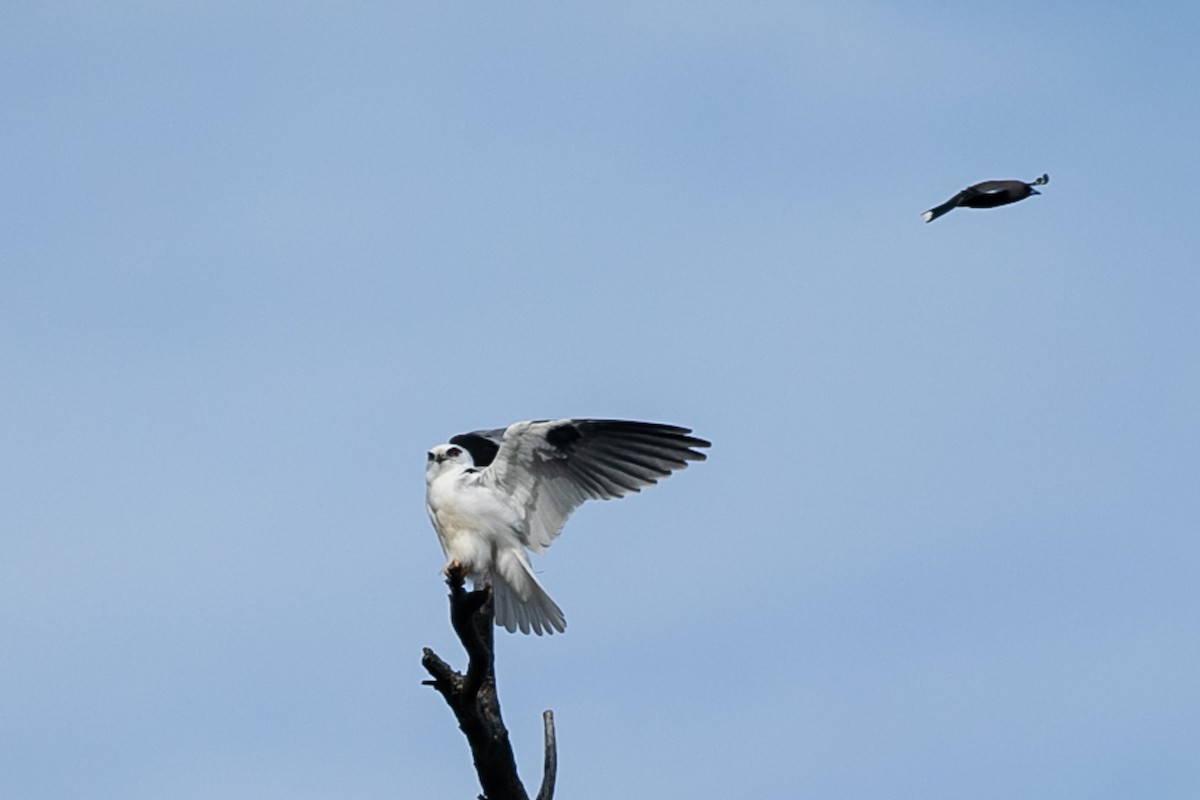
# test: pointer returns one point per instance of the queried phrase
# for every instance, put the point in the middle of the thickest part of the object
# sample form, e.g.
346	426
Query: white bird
493	494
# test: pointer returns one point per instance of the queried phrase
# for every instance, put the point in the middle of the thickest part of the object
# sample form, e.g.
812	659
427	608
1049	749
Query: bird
988	194
495	495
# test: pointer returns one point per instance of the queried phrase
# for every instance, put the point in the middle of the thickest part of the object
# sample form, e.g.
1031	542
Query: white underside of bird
480	533
530	477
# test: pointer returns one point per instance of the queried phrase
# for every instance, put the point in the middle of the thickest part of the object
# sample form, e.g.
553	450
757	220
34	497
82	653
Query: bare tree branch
550	767
472	697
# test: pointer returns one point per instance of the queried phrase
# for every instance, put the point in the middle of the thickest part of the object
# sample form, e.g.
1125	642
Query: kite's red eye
454	452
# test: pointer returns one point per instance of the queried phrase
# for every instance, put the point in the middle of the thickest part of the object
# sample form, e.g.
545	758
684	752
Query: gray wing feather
548	468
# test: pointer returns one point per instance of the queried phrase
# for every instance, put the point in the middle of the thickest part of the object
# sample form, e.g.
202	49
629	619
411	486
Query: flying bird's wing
989	187
550	467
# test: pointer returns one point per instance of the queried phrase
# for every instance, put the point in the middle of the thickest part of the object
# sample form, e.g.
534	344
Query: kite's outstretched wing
548	468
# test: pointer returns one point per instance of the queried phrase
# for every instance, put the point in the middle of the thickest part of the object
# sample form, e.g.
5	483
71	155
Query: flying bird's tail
937	211
521	602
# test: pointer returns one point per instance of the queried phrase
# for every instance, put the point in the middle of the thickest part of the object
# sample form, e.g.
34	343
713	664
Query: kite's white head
445	457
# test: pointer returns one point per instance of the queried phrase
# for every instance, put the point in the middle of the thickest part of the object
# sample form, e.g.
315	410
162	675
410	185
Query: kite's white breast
470	520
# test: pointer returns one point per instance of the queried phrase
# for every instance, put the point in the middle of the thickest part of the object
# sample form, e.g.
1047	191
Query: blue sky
259	257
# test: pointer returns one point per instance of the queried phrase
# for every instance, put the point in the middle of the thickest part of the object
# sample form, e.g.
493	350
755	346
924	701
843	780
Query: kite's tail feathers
521	602
937	211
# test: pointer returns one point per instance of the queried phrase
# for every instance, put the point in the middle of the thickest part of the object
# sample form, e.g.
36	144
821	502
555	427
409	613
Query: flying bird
493	495
988	194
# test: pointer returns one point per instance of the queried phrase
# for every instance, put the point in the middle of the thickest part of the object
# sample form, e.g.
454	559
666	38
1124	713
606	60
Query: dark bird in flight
988	194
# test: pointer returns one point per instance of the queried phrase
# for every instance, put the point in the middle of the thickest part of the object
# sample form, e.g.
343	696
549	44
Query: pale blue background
257	258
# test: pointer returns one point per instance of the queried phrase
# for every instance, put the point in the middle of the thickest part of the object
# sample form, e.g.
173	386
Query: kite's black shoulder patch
483	450
563	436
